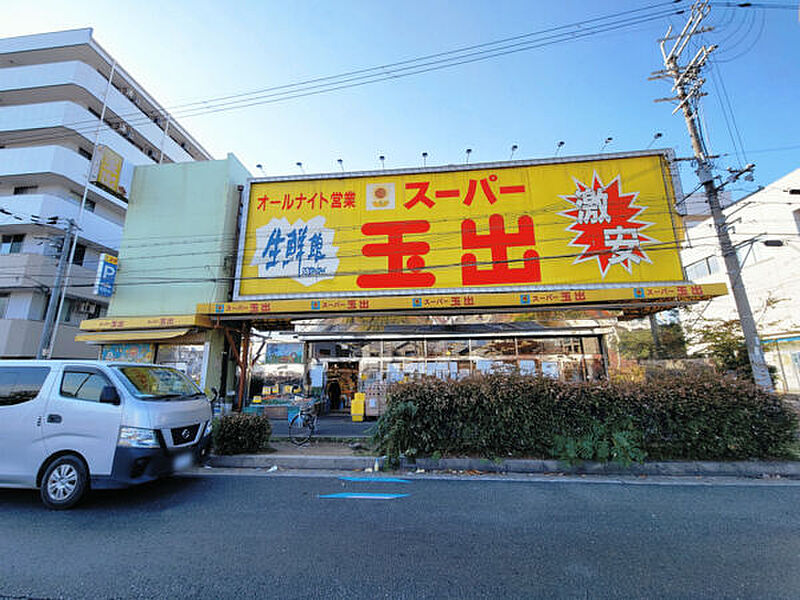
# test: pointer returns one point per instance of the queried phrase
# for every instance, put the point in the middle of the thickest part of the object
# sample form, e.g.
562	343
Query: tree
723	343
638	343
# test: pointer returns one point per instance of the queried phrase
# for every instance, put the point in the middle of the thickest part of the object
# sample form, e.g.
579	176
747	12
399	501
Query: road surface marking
363	496
371	479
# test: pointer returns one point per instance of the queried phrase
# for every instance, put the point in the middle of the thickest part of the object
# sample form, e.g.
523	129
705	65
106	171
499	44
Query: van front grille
184	435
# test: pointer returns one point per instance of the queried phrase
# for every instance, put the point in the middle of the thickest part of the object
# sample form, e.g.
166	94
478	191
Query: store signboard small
142	353
106	275
284	353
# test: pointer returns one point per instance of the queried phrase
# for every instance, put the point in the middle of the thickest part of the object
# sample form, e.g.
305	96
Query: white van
70	425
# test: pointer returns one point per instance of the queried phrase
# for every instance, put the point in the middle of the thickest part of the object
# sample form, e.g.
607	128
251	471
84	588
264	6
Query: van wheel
64	483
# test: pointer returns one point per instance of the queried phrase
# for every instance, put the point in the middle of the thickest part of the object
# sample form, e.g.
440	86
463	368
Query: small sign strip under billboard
581	221
668	295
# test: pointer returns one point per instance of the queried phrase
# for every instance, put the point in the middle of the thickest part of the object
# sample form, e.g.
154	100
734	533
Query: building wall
52	88
178	245
771	273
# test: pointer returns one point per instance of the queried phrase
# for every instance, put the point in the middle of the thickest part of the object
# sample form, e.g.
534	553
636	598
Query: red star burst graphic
605	222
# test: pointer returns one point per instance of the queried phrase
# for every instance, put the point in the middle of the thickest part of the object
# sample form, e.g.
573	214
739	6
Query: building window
749	253
797	219
22	190
89	205
4	305
80	254
11	244
85	153
697	270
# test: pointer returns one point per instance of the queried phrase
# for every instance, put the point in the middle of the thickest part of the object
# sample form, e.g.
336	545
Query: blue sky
579	91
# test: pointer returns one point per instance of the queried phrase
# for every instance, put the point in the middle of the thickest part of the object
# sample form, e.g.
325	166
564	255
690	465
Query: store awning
108	337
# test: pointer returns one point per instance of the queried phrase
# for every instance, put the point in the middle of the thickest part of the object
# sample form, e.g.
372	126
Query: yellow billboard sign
484	228
106	167
110	171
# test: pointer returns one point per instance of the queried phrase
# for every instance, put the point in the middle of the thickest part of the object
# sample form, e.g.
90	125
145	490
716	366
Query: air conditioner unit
85	306
123	129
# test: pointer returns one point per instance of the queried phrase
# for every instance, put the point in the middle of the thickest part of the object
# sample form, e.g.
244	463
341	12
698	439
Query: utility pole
687	84
55	293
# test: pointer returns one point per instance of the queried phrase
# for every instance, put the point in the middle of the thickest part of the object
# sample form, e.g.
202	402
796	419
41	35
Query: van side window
20	384
83	385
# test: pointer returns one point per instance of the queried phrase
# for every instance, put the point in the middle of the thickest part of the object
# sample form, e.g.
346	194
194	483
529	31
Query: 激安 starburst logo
605	221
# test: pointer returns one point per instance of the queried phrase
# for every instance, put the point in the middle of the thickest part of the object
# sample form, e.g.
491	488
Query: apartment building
765	231
54	87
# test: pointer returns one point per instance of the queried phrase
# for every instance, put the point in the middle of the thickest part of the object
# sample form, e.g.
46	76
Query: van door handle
53	418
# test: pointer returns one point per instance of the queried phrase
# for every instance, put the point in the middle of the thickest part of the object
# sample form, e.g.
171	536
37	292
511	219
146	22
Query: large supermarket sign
603	221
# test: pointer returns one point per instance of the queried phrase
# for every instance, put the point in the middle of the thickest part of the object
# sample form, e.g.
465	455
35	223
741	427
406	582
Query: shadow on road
168	492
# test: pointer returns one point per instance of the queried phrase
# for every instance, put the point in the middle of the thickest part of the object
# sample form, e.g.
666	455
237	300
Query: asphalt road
225	536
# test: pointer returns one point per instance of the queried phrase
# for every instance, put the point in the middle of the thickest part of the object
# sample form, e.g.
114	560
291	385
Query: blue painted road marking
363	496
370	479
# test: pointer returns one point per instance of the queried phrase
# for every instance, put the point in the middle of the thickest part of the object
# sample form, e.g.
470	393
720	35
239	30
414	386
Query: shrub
694	415
239	434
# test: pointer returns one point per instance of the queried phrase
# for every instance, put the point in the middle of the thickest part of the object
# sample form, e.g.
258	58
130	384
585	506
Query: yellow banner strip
160	322
469	302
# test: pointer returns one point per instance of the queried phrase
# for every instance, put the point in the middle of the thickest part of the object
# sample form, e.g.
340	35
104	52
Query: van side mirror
109	395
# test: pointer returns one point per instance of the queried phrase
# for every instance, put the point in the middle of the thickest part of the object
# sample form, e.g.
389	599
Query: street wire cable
399	69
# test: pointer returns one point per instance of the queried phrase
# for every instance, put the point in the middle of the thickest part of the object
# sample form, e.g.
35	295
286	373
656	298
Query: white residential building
52	90
765	230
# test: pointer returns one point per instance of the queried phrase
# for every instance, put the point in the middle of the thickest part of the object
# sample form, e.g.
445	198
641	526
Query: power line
423	64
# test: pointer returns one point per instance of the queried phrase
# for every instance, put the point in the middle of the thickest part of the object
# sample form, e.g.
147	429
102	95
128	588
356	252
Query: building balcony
76	81
38	272
50	164
59	122
95	230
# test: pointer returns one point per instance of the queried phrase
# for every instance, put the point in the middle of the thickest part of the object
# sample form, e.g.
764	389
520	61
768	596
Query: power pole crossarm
687	85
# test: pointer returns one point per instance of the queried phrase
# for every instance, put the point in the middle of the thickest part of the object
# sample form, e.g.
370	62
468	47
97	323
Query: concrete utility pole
687	85
55	292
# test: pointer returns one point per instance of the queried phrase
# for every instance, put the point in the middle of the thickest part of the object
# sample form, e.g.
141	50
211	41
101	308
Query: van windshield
158	382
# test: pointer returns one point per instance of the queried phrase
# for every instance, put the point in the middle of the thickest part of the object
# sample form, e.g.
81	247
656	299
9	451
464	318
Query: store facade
342	363
229	255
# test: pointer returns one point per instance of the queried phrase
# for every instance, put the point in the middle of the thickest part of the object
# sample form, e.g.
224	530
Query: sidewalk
328	427
323	455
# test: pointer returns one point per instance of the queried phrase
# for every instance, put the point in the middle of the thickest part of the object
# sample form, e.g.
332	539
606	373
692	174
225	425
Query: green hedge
694	416
241	433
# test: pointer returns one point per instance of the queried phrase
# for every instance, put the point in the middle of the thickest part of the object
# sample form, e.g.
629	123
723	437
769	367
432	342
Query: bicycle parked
303	424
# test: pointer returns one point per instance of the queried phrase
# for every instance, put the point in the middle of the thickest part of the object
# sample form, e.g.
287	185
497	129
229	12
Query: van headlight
209	426
135	437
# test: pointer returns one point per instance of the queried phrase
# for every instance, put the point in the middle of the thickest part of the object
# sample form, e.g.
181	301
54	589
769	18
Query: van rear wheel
64	483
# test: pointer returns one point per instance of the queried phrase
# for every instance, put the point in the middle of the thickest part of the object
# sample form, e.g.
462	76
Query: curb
751	469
